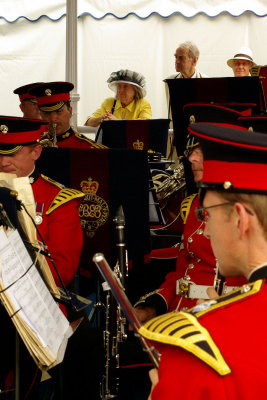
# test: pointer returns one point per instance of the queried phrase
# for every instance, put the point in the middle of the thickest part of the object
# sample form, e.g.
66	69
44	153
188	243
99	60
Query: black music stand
150	134
210	90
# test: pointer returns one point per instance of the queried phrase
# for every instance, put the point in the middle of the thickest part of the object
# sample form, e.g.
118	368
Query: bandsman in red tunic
196	267
218	349
57	215
53	100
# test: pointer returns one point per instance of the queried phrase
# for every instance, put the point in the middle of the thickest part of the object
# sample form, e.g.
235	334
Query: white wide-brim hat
127	76
243	54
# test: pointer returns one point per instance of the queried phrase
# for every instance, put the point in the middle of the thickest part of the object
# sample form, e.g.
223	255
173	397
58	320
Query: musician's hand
211	292
144	314
110	116
154	377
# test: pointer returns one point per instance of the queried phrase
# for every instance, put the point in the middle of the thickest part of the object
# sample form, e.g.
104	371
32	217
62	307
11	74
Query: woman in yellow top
129	102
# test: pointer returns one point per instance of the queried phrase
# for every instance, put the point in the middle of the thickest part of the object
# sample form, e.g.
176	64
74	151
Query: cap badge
4	129
227	185
48	92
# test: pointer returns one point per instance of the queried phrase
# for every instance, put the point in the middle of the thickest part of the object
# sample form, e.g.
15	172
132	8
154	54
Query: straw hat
243	54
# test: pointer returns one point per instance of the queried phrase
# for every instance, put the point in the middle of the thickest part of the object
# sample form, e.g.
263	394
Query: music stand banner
151	134
109	178
210	90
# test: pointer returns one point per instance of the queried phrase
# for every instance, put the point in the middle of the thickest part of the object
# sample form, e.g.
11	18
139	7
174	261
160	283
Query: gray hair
138	94
191	47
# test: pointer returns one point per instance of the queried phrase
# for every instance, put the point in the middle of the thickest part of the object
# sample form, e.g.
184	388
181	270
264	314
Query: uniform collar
259	272
34	176
65	135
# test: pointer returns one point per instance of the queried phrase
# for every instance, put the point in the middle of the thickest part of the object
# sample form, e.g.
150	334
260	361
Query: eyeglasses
203	215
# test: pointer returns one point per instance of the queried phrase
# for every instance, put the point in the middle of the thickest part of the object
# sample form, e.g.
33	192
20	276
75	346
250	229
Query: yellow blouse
137	109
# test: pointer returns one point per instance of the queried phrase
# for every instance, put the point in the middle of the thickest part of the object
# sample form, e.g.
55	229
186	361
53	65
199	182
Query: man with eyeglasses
196	269
222	342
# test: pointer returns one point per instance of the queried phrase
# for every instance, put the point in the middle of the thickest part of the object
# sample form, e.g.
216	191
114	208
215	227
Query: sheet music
29	294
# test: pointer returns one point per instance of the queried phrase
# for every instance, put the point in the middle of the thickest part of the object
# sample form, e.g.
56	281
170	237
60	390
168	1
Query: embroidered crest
93	210
138	145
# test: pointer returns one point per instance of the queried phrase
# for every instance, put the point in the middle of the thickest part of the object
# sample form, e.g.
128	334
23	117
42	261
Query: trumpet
49	139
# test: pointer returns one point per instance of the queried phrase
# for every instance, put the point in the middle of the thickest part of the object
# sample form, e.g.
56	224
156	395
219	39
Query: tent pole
71	56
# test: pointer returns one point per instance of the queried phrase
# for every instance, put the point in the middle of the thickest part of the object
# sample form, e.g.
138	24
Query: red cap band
241	175
21	137
54	98
26	96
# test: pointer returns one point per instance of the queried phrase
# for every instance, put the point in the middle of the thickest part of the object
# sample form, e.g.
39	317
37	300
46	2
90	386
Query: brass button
189	240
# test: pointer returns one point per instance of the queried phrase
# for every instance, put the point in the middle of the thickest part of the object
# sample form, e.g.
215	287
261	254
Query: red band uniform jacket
216	351
60	227
195	264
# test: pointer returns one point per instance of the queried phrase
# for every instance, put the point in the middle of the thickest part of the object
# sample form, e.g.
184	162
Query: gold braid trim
186	205
183	330
244	291
143	298
92	143
46	178
64	196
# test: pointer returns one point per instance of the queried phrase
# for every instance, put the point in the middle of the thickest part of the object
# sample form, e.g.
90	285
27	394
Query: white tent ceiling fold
55	9
35	51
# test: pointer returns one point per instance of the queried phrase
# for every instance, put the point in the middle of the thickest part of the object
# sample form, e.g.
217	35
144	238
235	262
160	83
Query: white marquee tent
141	35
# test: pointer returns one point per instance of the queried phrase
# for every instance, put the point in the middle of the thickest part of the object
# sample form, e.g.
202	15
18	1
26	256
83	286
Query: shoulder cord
113	107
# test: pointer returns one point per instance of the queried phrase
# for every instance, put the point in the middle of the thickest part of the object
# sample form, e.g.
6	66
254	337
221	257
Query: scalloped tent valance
12	10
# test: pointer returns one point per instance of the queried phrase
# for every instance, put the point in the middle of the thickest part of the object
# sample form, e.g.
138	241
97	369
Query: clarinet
115	323
119	293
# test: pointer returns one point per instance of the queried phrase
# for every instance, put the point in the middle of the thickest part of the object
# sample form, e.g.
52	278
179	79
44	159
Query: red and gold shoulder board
183	330
186	205
64	196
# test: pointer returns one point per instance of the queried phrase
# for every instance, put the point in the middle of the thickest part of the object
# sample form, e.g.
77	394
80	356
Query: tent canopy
138	35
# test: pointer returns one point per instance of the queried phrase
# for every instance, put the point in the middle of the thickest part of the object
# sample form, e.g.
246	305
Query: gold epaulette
238	294
186	205
64	196
183	330
92	143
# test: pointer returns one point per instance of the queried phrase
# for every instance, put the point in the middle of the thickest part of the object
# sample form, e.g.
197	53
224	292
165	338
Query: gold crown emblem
48	92
4	129
89	186
138	145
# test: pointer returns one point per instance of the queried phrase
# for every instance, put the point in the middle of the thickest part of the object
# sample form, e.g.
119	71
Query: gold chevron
186	205
64	196
183	330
